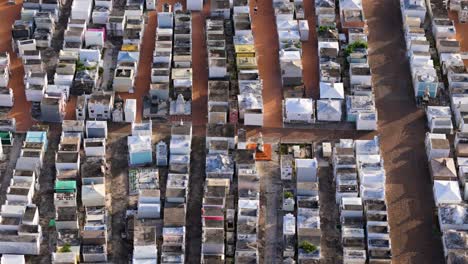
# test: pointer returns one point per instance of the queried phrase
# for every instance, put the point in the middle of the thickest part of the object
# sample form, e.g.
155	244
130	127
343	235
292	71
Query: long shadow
402	130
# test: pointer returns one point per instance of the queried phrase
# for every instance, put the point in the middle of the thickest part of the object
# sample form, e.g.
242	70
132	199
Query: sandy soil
143	78
310	135
44	198
462	33
11	154
271	215
331	247
266	45
194	203
199	65
142	83
21	108
310	54
70	113
200	68
117	198
401	124
402	129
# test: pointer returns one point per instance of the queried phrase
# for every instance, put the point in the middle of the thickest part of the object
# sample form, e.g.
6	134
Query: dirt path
8	165
200	68
266	46
331	248
462	33
143	78
271	214
44	197
117	184
310	54
199	120
402	129
194	203
21	108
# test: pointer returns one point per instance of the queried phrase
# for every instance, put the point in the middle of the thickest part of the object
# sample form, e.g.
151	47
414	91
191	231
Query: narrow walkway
117	198
21	108
44	197
199	120
266	47
143	78
271	214
7	165
200	69
402	130
331	247
193	240
310	71
462	33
